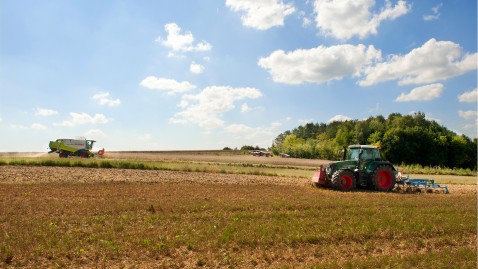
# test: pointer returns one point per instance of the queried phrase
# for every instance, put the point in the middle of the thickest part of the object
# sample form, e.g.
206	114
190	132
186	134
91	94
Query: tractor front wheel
383	178
344	180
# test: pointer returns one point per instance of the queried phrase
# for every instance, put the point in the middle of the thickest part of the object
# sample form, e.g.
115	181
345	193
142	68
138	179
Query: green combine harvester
74	147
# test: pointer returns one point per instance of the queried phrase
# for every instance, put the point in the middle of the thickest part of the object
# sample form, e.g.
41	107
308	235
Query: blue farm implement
407	184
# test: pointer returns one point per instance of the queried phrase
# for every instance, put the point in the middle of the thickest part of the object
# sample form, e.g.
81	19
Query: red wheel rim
384	179
346	182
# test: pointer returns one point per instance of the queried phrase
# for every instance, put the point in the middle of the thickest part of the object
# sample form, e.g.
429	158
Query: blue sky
166	75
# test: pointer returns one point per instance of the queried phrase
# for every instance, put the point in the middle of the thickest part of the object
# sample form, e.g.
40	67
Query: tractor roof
363	146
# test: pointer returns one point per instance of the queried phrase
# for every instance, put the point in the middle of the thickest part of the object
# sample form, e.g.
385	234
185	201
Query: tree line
407	139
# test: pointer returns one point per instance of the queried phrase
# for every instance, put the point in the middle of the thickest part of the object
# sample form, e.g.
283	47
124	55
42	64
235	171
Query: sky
192	75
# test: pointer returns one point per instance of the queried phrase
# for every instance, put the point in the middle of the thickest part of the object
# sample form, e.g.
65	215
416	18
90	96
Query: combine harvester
362	166
74	147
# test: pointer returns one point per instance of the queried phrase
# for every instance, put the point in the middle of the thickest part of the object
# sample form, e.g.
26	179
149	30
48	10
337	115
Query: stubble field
215	211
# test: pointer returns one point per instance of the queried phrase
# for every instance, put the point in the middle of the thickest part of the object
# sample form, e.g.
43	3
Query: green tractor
361	166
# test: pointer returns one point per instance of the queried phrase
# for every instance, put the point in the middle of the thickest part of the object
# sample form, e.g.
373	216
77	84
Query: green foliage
247	147
409	139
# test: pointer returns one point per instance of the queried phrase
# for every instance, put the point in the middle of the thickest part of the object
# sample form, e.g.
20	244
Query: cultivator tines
406	184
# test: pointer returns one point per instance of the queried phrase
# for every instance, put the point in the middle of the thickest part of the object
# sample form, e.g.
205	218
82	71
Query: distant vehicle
260	153
74	147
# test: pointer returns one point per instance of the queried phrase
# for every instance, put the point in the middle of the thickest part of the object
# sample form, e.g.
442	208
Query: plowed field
35	174
121	218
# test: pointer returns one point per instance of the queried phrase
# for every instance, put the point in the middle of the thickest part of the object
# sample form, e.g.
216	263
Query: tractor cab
362	153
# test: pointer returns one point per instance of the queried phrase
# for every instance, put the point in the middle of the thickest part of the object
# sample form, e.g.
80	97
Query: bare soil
39	174
78	217
238	158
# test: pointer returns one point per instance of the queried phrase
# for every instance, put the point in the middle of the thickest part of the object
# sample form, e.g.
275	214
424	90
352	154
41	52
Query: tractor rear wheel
383	178
344	180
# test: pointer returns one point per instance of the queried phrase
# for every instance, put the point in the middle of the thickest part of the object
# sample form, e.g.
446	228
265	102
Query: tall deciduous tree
410	139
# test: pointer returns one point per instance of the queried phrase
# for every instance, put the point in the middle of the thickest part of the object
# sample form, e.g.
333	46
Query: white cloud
181	42
65	123
435	13
434	61
196	68
205	109
34	126
469	97
261	15
38	126
183	104
423	93
339	118
276	124
305	20
94	133
469	126
319	65
168	85
44	112
246	108
304	121
18	126
429	116
344	19
238	129
253	135
102	99
468	115
83	118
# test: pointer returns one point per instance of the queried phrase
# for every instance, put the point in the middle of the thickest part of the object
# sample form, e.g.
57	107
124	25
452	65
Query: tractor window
367	154
353	153
376	155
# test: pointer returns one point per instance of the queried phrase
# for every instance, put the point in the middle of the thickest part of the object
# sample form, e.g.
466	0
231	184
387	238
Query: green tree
410	139
343	137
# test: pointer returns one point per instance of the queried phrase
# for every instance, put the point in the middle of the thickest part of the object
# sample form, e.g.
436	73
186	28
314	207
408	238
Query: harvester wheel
344	180
383	178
